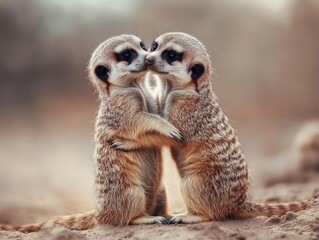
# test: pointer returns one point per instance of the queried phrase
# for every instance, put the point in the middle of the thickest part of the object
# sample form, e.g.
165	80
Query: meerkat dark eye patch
172	56
143	46
102	72
154	46
197	71
127	56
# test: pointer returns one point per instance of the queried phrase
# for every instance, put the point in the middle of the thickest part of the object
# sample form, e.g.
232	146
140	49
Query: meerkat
305	148
213	170
127	183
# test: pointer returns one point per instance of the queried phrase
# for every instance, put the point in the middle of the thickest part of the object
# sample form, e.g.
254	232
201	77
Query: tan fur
127	183
213	169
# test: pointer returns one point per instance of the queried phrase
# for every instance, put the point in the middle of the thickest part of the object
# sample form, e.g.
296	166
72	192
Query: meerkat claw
123	145
164	220
150	220
175	220
177	136
161	220
117	146
113	144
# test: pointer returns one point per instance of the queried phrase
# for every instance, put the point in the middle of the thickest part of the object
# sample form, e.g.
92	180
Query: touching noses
149	60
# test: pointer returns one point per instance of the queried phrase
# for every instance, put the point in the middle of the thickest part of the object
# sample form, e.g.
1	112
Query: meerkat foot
124	144
188	218
150	220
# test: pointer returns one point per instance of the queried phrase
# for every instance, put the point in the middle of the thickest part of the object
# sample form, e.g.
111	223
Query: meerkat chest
118	110
185	110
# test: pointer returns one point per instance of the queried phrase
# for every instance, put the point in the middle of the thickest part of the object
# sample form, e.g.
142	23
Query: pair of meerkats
132	125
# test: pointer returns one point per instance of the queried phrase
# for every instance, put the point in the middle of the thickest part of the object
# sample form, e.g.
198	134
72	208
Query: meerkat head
179	58
119	61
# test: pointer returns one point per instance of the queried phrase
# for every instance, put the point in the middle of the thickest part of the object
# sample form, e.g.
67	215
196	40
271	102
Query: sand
61	193
301	225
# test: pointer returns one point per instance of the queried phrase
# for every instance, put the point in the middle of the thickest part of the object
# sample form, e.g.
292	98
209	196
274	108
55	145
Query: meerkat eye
154	46
197	71
102	72
143	46
127	55
171	56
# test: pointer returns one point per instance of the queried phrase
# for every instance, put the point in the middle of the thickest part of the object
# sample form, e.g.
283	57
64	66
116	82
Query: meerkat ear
197	71
102	72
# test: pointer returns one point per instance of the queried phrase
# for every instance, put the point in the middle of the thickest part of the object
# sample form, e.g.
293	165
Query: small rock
283	235
273	220
289	216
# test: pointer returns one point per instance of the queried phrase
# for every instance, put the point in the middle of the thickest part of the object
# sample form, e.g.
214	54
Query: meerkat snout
149	61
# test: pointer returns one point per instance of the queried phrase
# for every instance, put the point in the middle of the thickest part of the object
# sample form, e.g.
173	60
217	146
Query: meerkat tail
82	221
251	210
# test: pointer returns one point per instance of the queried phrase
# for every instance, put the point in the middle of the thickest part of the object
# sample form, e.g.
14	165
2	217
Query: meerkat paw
174	133
150	220
177	135
188	218
123	144
158	124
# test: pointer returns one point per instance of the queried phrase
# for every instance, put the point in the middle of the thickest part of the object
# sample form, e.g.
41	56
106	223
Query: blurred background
265	55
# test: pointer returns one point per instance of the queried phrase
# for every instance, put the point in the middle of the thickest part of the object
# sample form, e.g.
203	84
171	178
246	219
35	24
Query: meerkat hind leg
188	218
161	204
150	220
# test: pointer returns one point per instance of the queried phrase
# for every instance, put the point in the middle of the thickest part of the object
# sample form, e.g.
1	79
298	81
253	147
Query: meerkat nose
149	61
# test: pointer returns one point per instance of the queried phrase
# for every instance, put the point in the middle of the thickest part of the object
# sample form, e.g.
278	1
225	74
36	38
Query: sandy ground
38	185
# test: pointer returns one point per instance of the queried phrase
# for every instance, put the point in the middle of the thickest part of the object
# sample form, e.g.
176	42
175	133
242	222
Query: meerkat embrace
128	138
127	183
211	165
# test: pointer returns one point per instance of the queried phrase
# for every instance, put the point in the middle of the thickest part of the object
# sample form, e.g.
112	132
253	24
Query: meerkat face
119	61
179	58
